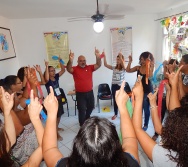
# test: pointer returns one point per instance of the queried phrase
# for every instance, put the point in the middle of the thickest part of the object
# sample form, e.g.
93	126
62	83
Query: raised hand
37	67
130	58
34	108
71	56
152	98
46	63
173	77
121	96
97	53
138	88
51	104
7	101
31	77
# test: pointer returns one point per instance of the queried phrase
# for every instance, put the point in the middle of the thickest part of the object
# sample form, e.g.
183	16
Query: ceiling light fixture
98	26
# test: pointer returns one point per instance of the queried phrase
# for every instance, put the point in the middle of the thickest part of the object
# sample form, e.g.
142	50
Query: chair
104	93
64	99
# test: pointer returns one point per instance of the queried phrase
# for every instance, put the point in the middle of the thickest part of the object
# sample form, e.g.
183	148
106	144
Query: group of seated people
25	142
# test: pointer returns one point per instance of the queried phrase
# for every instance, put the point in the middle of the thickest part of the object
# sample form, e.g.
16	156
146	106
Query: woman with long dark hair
147	86
97	143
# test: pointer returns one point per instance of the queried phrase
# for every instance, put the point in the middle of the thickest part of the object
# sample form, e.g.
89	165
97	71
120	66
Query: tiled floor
71	127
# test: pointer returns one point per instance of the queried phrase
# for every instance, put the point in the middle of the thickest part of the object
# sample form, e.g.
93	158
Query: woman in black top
97	143
147	87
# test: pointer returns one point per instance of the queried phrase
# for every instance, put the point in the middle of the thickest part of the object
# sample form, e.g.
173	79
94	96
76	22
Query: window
175	41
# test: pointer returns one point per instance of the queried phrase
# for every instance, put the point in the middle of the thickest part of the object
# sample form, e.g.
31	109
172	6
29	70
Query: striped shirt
118	76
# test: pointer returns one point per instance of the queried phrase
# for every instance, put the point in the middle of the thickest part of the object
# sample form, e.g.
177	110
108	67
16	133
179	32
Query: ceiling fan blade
79	18
114	17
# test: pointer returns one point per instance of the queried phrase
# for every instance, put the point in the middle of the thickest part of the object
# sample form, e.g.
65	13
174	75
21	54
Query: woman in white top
117	77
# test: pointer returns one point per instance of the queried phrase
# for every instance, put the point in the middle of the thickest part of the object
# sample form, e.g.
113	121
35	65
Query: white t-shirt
161	158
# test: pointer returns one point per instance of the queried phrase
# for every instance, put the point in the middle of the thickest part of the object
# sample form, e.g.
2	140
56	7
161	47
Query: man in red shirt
82	74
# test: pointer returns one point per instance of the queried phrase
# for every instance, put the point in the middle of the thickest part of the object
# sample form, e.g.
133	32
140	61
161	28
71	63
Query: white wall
8	66
28	36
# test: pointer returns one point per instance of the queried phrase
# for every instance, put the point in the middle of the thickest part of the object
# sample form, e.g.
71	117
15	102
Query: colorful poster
57	45
121	41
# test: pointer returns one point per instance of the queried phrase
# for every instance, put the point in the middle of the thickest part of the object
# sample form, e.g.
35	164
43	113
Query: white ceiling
24	9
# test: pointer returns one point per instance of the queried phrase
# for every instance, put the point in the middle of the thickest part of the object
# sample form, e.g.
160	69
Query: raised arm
7	104
46	73
70	62
62	71
98	59
144	139
105	62
154	112
181	87
38	69
34	110
122	60
173	80
129	69
49	145
128	134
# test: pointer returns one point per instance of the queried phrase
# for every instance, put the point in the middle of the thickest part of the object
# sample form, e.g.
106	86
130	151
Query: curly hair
5	158
96	145
146	55
175	135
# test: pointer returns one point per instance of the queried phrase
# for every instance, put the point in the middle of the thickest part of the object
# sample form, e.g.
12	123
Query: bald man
82	74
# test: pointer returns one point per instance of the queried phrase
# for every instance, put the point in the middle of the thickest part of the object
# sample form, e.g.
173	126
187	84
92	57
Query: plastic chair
64	99
104	93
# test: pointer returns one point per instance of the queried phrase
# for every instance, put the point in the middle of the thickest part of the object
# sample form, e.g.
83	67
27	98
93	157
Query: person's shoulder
160	156
57	75
91	66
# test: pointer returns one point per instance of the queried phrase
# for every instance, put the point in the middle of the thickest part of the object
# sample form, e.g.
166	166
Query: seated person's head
175	134
12	83
21	73
97	143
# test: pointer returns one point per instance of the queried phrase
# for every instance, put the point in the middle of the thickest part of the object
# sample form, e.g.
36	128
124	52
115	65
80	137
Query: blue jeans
146	109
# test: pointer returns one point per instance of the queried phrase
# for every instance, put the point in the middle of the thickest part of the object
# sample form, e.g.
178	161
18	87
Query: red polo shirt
83	78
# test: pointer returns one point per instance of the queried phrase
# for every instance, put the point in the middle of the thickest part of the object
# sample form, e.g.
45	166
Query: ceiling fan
98	18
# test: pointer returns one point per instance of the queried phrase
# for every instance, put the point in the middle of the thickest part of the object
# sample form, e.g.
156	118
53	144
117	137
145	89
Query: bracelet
152	107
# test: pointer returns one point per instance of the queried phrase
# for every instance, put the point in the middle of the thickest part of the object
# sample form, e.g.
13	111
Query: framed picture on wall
7	50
